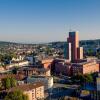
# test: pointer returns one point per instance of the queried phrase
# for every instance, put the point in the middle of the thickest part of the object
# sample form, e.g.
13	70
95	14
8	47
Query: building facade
85	67
76	52
63	68
29	71
80	53
68	51
33	91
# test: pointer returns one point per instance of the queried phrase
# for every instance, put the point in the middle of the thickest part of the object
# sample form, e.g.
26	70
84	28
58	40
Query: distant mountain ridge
7	43
55	42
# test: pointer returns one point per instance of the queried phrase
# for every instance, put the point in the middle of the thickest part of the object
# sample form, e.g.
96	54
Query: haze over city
33	21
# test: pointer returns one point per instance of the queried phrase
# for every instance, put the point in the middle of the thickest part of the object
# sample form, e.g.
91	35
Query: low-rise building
32	59
18	58
29	71
85	67
33	91
63	68
17	64
47	81
47	63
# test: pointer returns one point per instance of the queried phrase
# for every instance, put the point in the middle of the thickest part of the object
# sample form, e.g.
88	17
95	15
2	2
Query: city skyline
35	21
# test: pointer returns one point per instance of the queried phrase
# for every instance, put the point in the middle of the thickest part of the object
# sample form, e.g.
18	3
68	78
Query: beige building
85	67
33	91
80	53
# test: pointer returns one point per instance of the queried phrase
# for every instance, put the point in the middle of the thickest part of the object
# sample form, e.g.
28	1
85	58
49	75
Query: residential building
33	91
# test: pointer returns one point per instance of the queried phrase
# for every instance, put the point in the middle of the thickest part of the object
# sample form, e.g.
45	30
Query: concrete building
47	81
33	91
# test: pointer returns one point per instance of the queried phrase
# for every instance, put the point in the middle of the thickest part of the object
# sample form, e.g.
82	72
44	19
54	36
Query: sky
35	21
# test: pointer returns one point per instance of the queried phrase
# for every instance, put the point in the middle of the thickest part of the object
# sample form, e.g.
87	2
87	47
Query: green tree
16	95
98	54
7	57
83	79
90	52
13	55
1	57
9	82
88	78
13	82
14	71
79	78
6	83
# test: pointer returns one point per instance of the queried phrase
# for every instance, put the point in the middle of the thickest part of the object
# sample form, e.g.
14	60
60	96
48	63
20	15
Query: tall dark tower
75	50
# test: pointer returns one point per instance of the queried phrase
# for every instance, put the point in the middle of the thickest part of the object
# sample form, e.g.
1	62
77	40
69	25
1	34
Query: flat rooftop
27	87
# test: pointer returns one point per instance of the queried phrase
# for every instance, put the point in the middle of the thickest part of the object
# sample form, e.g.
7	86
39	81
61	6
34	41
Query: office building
74	52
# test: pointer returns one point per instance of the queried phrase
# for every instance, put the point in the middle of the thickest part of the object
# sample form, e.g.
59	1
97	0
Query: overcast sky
48	20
